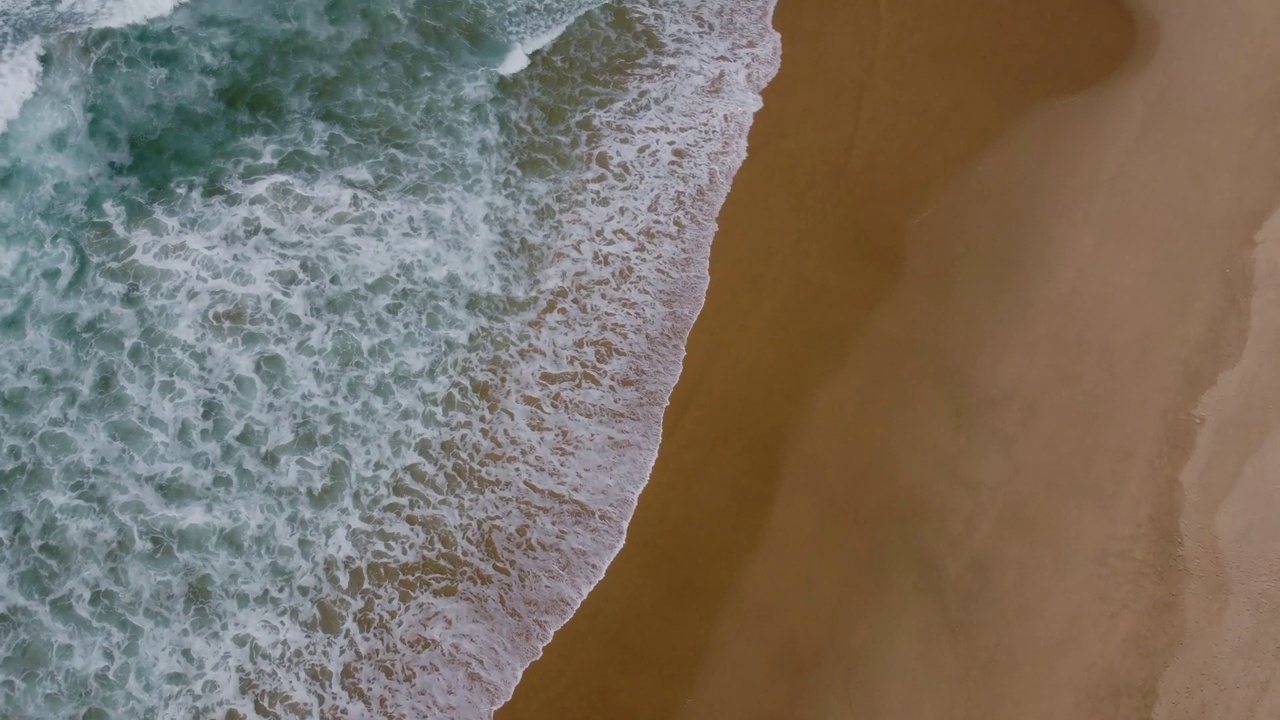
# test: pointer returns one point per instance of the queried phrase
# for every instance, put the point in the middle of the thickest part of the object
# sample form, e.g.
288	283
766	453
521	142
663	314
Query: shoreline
977	421
1071	526
817	217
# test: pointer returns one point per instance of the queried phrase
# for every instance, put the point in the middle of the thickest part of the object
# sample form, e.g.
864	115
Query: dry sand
926	459
1230	656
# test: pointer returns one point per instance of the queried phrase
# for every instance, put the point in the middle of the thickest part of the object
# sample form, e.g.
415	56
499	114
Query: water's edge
307	402
735	154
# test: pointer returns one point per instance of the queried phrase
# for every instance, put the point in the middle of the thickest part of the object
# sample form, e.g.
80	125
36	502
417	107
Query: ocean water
335	335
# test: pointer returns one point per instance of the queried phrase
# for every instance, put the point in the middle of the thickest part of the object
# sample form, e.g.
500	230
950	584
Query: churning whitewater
335	335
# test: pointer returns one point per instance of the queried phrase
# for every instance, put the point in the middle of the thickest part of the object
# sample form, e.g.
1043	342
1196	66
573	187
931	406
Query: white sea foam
664	164
516	60
20	67
119	14
518	56
369	432
73	15
19	77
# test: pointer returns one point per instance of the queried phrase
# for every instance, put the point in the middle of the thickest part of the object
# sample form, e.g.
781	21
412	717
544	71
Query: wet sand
926	458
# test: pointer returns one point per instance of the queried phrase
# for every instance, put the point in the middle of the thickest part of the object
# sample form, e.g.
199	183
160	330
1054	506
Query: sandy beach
979	420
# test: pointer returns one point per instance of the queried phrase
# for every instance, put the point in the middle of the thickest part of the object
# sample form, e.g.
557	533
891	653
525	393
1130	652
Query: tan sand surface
926	458
1229	661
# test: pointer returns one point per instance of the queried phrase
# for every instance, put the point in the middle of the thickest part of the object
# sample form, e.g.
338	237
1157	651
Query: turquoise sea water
334	340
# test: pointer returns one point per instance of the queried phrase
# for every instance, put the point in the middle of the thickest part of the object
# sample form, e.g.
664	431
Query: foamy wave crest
48	17
19	76
332	362
25	24
517	57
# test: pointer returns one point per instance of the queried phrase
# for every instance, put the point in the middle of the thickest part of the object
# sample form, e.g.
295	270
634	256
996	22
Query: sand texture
940	448
1226	664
